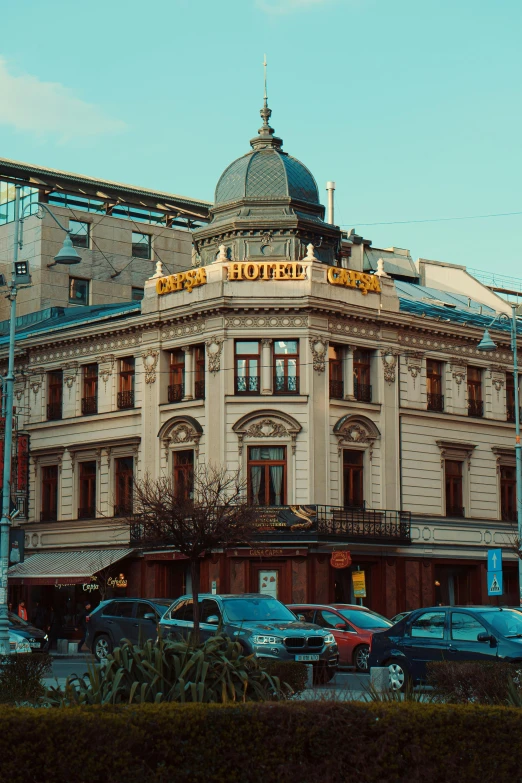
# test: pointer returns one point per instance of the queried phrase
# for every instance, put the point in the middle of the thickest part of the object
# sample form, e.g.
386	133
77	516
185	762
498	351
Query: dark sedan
36	639
451	633
134	619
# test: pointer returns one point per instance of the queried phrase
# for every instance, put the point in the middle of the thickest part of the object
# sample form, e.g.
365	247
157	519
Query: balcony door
353	478
267	475
454	494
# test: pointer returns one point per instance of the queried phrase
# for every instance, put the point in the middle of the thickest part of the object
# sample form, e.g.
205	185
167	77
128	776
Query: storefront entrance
270	578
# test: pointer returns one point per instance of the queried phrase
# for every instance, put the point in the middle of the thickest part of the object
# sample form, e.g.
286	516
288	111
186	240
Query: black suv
450	633
134	619
262	624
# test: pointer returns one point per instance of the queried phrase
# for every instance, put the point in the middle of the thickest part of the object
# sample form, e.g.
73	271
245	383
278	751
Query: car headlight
329	638
265	640
46	638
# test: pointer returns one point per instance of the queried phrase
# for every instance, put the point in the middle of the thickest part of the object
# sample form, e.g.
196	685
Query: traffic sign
495	586
494	560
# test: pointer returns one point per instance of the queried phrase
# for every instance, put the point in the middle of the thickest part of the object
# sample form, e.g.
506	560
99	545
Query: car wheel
398	675
102	647
360	657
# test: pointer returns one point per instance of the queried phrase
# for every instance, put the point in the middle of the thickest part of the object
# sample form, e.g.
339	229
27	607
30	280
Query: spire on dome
266	136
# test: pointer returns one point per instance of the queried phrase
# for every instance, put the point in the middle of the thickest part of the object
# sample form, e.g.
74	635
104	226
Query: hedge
310	742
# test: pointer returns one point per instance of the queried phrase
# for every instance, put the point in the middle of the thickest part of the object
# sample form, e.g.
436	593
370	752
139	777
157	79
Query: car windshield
15	620
507	622
240	610
365	619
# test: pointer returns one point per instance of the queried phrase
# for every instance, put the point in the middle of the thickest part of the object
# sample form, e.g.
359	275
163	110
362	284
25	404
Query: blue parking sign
495	586
494	560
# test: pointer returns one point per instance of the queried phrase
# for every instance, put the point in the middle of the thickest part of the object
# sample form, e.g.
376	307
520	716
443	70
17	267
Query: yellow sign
349	278
266	270
359	584
182	281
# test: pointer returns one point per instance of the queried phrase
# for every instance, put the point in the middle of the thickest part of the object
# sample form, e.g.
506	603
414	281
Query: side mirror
149	616
484	637
213	619
341	626
301	618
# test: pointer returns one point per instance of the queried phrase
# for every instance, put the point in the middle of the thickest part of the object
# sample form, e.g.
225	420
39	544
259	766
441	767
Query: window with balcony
126	382
508	493
90	389
49	510
453	477
183	473
79	231
141	245
54	395
267	475
87	490
475	403
78	291
335	364
286	366
176	390
199	370
434	393
510	397
353	478
124	483
247	366
361	375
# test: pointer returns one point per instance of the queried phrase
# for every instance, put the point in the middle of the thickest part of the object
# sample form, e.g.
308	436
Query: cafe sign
183	281
349	278
340	559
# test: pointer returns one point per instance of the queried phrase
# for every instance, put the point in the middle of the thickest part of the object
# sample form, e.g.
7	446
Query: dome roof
266	174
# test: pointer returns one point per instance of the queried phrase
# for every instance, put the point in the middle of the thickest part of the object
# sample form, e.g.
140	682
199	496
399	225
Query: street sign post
494	575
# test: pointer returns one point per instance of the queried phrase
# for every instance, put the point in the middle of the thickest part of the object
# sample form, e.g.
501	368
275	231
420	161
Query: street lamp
487	344
20	278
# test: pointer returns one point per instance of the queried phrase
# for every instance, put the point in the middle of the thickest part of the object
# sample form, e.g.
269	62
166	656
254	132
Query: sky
412	108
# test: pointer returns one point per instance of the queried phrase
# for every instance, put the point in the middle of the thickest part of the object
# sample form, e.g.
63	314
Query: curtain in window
276	479
255	482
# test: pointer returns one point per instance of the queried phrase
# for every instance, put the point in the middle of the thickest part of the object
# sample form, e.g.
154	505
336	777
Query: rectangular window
183	464
124	475
361	375
79	231
49	512
429	625
90	389
126	383
353	478
141	245
508	493
247	366
475	403
286	366
434	393
454	505
54	394
267	475
510	397
335	364
177	376
87	487
199	366
137	294
78	291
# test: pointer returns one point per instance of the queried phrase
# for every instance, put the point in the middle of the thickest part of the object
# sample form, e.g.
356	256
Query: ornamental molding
449	346
504	457
356	430
389	362
214	346
150	362
459	373
319	349
79	347
106	366
455	450
265	321
185	329
340	326
414	364
267	424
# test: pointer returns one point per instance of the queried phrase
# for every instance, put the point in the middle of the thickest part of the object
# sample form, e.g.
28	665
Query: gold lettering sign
266	270
182	281
349	278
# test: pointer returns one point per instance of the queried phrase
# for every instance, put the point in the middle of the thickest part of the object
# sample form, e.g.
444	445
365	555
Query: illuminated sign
266	270
120	581
183	281
349	278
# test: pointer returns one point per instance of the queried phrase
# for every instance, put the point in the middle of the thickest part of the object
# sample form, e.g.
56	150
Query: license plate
36	645
307	657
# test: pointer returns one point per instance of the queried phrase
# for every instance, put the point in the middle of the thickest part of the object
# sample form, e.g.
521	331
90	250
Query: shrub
291	673
21	676
474	682
215	671
262	743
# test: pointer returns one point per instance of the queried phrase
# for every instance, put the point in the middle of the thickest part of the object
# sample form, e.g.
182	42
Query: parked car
352	627
36	638
18	643
134	619
451	633
262	625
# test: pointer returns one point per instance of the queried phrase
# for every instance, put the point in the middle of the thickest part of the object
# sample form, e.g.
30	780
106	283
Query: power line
433	220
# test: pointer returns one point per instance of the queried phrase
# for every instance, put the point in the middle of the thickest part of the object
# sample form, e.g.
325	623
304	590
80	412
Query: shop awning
65	567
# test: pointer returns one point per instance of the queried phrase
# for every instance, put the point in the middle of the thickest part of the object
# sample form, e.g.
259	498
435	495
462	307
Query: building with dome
343	380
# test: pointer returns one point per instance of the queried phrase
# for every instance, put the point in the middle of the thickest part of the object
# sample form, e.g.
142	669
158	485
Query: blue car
450	633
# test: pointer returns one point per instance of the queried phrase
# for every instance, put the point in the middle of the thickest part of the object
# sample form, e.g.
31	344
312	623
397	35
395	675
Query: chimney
330	187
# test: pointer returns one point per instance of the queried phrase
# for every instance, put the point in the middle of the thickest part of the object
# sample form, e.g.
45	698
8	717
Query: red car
352	627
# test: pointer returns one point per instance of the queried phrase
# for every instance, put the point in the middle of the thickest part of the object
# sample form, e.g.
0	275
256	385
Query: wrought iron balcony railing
286	384
48	516
87	512
362	391
435	402
455	511
176	392
54	411
199	390
89	405
509	514
123	509
247	384
126	399
476	408
337	390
